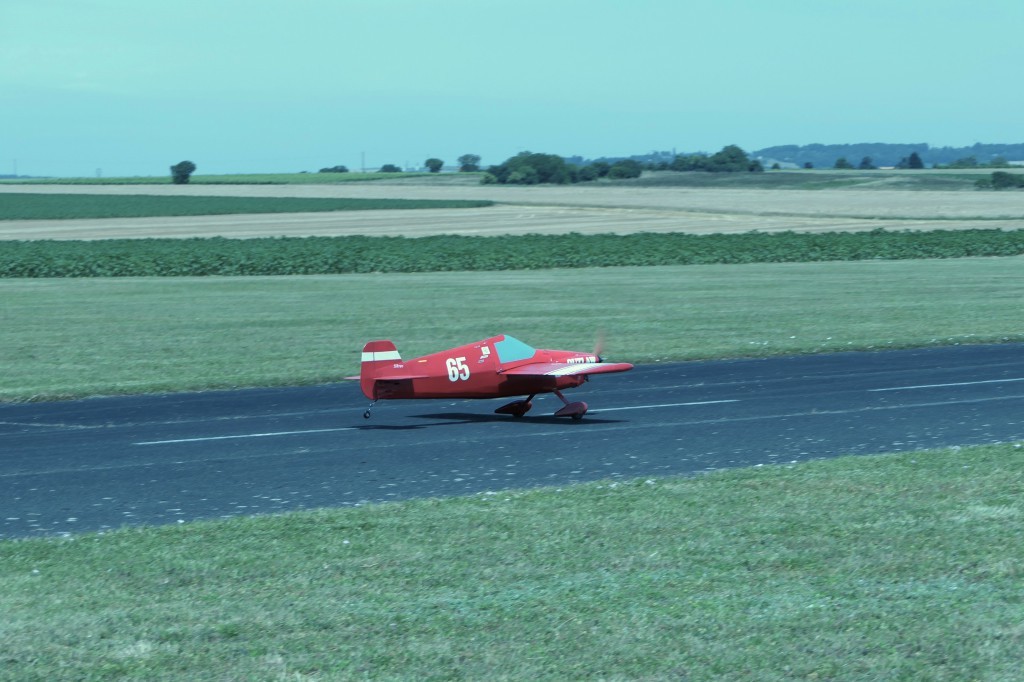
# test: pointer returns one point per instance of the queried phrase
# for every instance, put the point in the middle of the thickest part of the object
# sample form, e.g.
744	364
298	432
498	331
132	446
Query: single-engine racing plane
493	368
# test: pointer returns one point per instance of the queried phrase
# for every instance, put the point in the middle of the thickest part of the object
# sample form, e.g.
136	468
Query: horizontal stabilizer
399	377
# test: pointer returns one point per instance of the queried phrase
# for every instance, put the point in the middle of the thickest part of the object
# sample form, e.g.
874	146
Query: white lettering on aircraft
458	370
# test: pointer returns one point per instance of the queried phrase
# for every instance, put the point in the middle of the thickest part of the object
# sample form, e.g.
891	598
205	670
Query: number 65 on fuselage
496	367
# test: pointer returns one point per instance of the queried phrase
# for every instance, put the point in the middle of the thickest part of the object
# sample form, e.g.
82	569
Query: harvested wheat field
547	209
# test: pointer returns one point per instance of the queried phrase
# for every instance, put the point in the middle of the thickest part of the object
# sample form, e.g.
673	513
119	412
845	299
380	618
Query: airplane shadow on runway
455	418
469	417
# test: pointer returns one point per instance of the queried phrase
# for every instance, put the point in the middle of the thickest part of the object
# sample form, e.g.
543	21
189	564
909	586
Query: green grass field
897	567
227	179
72	206
902	566
67	338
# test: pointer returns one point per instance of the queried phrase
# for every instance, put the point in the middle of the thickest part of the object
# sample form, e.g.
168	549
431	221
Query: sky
131	87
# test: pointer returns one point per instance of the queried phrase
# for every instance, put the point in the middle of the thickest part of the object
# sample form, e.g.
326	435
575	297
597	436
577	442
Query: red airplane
493	368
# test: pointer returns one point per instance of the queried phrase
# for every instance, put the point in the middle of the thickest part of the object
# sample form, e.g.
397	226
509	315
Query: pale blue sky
133	86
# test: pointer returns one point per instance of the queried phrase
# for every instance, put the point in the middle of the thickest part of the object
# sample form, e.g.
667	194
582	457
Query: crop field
355	254
548	210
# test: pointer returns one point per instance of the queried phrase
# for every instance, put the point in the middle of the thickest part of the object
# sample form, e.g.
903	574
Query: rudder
377	357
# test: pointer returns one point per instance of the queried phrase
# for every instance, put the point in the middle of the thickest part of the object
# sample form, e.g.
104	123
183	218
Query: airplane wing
562	369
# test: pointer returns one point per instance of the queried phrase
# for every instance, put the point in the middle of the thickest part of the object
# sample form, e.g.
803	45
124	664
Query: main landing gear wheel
516	408
575	410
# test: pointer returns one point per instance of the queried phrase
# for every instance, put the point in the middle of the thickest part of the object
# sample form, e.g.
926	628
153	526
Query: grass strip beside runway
900	566
71	338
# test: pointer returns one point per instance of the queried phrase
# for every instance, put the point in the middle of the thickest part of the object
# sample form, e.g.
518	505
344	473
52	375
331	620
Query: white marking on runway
243	435
352	428
652	407
965	383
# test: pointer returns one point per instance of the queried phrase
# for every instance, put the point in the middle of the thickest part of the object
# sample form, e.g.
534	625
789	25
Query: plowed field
562	209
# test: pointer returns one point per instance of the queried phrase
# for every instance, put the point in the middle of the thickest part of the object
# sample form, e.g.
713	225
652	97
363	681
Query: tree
182	172
731	159
912	161
625	168
867	164
523	175
1004	180
843	164
334	169
694	162
389	168
469	163
528	168
434	165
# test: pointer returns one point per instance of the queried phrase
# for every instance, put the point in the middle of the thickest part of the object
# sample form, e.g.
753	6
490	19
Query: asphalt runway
88	465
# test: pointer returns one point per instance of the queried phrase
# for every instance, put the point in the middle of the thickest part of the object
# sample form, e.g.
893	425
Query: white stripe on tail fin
378	357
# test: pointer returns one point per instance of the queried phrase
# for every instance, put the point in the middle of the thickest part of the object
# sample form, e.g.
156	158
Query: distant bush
731	159
469	163
528	168
335	255
626	168
334	169
182	172
1004	180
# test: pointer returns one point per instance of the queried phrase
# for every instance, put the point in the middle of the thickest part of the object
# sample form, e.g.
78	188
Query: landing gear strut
366	415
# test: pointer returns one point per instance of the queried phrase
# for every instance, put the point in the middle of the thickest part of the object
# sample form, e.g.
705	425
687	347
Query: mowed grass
227	179
69	338
71	206
895	567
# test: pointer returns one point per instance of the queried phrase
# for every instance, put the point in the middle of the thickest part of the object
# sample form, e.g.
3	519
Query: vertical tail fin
377	357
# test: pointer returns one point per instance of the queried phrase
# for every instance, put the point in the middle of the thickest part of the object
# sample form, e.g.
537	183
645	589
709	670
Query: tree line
468	163
892	155
529	168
